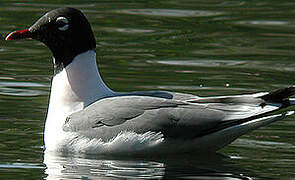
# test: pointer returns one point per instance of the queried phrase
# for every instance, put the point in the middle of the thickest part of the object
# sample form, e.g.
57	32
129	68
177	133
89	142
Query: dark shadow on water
209	166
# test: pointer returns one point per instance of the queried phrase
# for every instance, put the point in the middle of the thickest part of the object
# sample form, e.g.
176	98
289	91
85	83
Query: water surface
200	47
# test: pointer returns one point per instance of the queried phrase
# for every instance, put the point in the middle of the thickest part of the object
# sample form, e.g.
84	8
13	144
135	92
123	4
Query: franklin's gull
87	117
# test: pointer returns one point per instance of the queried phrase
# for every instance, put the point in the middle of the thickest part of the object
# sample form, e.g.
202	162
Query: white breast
72	89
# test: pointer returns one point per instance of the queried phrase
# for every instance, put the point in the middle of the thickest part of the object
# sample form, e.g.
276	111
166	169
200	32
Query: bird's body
85	116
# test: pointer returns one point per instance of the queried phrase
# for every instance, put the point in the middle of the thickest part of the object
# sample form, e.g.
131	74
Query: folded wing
173	118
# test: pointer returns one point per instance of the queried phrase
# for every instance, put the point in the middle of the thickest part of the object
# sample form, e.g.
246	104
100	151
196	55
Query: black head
66	32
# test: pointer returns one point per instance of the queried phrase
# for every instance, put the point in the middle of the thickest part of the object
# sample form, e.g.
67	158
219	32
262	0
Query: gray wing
174	118
161	94
107	117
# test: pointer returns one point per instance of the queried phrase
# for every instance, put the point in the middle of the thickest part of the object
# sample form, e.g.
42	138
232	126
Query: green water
202	47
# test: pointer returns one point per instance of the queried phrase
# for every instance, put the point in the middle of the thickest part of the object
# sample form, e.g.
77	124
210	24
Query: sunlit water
201	47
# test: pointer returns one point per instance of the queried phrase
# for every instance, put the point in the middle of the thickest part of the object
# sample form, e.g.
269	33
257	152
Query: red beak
21	34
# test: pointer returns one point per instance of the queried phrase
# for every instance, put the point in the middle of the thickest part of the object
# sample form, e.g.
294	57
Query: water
201	47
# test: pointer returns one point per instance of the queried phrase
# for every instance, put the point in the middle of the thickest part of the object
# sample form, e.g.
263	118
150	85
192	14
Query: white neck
75	87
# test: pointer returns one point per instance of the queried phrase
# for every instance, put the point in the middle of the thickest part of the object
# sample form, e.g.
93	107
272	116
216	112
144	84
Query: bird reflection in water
212	166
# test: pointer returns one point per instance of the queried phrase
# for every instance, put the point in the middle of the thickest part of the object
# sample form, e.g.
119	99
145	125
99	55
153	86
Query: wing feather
142	114
182	118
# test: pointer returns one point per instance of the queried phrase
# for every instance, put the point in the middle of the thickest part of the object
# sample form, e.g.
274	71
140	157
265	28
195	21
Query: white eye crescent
64	21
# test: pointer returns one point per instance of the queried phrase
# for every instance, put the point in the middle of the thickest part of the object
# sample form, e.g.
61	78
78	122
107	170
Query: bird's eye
63	23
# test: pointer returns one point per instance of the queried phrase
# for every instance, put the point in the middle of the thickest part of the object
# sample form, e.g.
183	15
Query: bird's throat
77	85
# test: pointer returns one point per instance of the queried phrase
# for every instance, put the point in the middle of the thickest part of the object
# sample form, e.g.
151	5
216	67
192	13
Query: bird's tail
281	96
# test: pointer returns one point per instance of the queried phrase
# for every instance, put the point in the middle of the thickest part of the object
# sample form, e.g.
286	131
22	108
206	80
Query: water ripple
19	89
22	165
127	30
264	22
207	63
263	144
268	65
170	12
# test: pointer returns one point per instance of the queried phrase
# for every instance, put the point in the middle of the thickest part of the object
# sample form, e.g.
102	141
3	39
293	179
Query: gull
86	117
